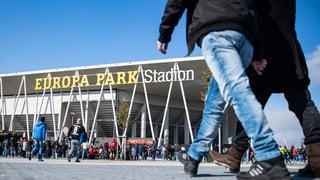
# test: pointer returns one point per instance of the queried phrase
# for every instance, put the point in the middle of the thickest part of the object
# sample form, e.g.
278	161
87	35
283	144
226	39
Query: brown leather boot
230	160
313	151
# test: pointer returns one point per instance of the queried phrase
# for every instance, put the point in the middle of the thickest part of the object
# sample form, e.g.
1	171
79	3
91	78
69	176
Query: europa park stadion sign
114	78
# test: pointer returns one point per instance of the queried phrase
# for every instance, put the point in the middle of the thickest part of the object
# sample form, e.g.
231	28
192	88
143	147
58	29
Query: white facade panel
37	103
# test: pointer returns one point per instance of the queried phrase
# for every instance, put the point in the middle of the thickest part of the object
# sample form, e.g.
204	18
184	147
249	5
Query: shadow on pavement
213	175
295	176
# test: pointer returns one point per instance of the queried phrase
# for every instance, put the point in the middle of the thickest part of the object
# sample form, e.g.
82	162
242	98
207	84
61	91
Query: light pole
94	137
72	117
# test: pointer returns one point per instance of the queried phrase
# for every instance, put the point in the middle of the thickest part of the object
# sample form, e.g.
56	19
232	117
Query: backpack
83	137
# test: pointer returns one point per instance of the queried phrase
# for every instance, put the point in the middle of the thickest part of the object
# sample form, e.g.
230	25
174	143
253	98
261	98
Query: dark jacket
205	16
40	131
75	131
286	62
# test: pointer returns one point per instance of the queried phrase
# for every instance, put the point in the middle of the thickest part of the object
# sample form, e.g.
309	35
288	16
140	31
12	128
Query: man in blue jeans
74	134
39	136
285	73
154	150
226	32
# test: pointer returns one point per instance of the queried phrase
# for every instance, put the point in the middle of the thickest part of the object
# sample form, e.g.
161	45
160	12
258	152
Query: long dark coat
286	62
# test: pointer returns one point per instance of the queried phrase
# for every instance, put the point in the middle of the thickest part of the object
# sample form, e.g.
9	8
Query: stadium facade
163	100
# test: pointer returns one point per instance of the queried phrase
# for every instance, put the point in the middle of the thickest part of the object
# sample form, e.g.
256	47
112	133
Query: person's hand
259	65
162	47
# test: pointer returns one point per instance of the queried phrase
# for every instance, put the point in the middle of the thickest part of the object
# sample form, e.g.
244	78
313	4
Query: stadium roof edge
104	66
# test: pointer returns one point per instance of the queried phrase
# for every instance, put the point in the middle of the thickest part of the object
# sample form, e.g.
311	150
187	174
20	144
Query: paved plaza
58	169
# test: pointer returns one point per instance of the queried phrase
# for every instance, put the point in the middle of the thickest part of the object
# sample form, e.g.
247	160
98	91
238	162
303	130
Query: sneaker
29	156
40	160
77	160
274	169
190	165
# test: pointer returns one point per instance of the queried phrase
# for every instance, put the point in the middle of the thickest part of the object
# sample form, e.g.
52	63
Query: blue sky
50	34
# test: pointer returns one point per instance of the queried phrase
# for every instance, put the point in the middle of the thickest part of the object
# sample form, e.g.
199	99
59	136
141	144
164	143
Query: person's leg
40	152
12	151
35	147
4	153
72	150
227	54
83	152
300	102
211	121
77	149
240	142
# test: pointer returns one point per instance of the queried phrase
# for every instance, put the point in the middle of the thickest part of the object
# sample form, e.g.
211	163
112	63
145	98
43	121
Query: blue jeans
85	153
37	148
75	147
5	152
227	54
12	151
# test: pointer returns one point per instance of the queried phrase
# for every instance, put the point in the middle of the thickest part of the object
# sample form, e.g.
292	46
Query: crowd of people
133	151
21	147
290	155
15	146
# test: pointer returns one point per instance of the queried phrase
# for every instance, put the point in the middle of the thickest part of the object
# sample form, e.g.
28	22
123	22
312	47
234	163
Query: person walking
39	136
153	150
85	149
5	147
285	72
74	134
13	147
24	146
29	148
225	31
113	149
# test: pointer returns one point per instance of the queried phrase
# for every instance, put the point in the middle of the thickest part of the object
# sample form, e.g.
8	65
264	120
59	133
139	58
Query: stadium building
162	100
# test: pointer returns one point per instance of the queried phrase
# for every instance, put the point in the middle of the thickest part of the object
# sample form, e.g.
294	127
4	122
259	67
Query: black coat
75	131
286	62
205	16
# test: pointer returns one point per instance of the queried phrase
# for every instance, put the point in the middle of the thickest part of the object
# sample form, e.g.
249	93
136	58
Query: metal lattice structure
163	96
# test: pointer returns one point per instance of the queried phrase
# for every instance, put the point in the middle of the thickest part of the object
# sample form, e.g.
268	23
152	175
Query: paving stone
57	169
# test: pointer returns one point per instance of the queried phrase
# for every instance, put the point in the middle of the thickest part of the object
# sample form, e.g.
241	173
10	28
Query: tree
122	115
206	78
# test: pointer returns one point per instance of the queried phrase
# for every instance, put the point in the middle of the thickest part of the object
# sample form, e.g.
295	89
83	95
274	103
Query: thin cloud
313	62
286	127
